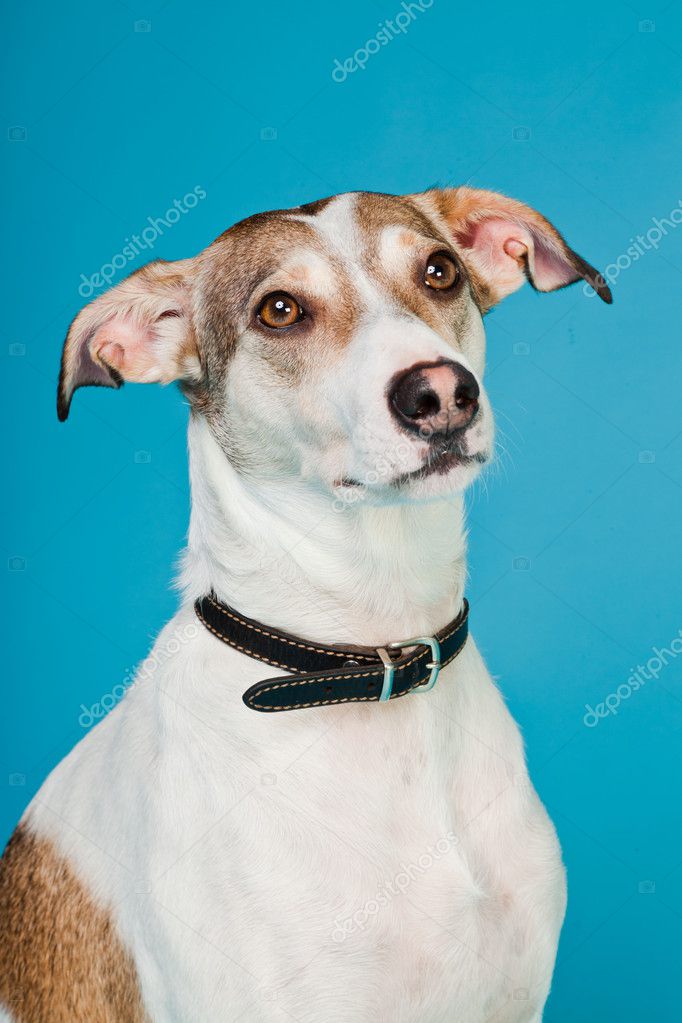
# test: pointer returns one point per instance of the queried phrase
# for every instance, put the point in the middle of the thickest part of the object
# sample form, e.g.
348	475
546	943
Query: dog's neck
288	554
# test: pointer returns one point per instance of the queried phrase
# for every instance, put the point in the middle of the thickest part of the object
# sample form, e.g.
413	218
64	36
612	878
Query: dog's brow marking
395	248
307	268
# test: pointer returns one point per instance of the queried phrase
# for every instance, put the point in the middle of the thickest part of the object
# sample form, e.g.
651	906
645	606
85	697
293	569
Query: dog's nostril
414	398
425	405
466	394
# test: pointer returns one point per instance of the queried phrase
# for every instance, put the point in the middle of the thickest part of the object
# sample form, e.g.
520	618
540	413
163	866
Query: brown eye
441	271
279	310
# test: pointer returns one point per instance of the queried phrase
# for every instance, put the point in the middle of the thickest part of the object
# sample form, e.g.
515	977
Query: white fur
256	863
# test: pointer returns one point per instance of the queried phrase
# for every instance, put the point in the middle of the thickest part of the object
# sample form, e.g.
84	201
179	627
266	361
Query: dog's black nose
434	398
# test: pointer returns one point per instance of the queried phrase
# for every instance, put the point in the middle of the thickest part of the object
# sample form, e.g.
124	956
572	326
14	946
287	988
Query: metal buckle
389	665
389	673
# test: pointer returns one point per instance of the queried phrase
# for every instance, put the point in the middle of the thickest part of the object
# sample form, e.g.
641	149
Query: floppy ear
507	243
140	331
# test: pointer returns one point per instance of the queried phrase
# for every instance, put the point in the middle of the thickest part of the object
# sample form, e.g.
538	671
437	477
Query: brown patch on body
61	960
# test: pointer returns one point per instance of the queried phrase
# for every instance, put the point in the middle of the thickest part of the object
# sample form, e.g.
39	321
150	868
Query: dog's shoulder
60	956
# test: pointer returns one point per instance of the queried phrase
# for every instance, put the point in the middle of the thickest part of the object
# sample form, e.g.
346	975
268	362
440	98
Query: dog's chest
378	873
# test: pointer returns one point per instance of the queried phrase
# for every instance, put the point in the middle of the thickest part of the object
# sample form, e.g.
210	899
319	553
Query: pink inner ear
500	247
128	348
503	249
517	250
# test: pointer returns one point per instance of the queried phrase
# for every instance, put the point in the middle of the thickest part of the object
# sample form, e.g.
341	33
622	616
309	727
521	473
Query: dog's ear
507	243
140	331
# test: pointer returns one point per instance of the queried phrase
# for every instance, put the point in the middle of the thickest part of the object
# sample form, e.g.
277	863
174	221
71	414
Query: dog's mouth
439	461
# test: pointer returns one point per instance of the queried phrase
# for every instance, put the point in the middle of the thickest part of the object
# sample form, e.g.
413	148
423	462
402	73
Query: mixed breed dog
226	844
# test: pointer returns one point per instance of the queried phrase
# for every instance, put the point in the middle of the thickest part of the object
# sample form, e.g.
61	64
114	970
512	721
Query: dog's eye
279	310
441	271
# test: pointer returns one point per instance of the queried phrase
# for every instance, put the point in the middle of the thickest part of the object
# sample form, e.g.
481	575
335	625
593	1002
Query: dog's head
341	342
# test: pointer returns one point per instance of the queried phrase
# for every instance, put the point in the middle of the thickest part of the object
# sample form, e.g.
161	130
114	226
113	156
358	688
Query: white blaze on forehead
337	225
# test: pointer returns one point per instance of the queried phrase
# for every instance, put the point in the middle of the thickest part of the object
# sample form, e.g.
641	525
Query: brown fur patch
375	211
61	960
313	208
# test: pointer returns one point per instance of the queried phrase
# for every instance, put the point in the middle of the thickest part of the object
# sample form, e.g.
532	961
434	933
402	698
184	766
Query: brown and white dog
192	860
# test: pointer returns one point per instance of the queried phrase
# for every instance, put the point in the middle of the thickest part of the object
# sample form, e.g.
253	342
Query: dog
339	844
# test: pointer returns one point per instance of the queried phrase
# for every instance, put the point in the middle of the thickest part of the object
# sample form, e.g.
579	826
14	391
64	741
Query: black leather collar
322	675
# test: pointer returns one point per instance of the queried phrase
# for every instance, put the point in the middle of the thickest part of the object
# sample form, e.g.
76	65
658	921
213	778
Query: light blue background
117	123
